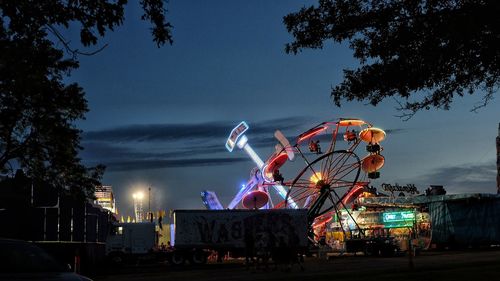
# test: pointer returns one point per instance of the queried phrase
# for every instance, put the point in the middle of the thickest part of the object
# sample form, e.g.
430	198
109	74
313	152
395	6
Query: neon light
312	133
266	175
235	134
268	169
243	190
398	216
408	216
398	219
351	122
254	156
241	143
389	217
172	234
351	193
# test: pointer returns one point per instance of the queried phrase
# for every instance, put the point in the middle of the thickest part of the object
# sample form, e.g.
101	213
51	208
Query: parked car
21	260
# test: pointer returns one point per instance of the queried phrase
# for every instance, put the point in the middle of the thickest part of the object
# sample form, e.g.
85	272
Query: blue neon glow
244	189
172	234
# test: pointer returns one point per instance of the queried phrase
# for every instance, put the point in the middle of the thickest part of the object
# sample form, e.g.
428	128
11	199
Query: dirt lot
465	265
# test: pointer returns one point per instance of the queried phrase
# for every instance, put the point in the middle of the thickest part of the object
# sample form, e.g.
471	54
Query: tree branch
405	115
485	100
74	52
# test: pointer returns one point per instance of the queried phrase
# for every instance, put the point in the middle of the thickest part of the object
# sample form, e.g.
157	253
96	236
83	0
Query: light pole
150	216
138	196
134	196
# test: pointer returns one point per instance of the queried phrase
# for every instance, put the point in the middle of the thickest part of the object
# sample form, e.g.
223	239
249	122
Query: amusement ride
319	171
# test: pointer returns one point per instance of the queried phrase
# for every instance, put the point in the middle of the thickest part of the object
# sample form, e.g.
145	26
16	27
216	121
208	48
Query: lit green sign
398	219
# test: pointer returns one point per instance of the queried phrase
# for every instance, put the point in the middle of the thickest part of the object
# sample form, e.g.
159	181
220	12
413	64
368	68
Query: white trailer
129	240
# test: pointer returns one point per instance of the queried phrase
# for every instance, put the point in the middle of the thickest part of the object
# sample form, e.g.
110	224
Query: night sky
160	117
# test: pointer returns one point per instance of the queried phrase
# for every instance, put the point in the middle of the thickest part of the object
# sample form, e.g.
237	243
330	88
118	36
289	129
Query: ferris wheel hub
321	184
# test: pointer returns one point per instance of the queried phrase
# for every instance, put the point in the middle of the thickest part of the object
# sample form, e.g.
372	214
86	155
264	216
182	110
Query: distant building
105	198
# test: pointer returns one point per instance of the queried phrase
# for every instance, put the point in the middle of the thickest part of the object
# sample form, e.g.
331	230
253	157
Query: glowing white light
282	192
242	142
139	195
235	134
254	156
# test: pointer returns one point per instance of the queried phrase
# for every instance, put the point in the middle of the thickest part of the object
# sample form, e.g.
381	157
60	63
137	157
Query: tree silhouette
37	108
423	53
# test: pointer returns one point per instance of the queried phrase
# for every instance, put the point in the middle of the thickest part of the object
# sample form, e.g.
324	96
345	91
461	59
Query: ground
442	266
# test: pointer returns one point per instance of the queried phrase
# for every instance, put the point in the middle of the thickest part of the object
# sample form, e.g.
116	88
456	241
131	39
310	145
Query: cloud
158	132
136	165
474	178
394	131
109	150
183	132
139	147
262	130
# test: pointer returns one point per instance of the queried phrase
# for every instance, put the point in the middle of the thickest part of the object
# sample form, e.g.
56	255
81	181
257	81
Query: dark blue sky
160	117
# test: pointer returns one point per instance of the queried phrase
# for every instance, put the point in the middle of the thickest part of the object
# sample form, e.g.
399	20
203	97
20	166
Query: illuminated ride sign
398	219
235	134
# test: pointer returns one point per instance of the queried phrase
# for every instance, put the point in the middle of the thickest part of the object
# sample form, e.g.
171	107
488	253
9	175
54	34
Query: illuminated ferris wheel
333	178
320	172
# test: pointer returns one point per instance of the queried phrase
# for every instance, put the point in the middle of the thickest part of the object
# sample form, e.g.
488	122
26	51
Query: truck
130	241
199	232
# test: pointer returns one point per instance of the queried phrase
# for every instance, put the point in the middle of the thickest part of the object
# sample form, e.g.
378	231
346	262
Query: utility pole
149	205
